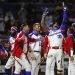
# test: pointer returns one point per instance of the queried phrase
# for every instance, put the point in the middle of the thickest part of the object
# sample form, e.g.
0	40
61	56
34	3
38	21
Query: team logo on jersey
59	36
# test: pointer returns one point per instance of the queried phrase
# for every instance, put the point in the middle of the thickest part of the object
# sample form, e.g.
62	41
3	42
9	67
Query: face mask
55	28
24	33
69	34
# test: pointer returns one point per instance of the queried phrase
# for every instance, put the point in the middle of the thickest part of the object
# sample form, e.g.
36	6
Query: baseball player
54	43
69	49
10	61
21	48
35	49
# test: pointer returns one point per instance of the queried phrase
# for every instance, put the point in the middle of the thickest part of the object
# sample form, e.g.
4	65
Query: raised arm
43	24
45	46
65	16
63	25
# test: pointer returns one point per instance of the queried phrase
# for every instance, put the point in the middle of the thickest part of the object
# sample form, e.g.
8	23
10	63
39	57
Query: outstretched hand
45	12
64	7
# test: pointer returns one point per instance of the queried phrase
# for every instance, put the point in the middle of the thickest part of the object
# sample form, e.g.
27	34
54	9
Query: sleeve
45	44
63	45
69	45
70	41
32	39
64	15
20	37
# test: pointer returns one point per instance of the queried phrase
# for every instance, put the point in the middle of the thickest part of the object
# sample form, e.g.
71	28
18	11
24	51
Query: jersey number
59	36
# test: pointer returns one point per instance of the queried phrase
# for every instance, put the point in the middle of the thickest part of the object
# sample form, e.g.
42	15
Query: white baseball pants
21	63
54	55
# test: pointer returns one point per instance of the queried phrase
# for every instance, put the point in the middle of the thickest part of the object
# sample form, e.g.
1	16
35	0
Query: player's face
26	28
68	31
55	25
37	27
50	27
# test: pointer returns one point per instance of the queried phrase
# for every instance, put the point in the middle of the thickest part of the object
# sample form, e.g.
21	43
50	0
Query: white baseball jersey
12	41
35	46
55	38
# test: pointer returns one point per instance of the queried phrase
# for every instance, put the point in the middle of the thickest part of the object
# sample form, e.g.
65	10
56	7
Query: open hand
45	12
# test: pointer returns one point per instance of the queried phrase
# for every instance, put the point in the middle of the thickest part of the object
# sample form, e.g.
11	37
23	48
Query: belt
37	51
55	47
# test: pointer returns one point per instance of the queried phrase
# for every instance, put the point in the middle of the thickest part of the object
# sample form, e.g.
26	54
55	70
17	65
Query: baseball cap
13	29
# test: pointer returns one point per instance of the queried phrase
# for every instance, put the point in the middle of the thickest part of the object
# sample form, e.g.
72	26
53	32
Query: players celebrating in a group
26	54
20	53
